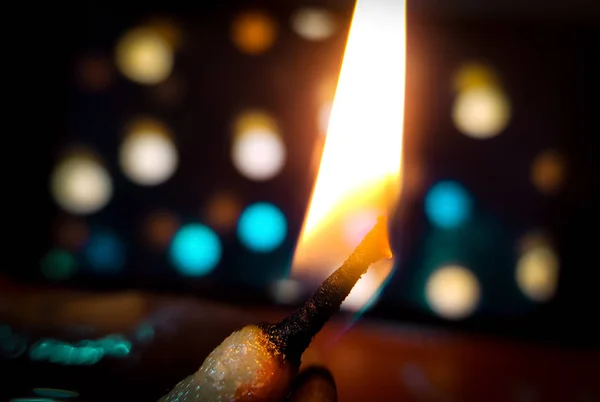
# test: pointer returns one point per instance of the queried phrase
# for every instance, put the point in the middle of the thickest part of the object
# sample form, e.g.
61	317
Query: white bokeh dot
81	185
148	158
258	154
481	112
313	23
453	292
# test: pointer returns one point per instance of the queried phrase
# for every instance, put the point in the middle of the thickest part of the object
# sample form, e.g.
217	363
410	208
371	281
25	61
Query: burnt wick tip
293	334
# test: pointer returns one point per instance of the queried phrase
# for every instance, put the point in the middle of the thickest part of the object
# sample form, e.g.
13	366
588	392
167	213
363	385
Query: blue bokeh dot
448	205
262	227
195	250
105	252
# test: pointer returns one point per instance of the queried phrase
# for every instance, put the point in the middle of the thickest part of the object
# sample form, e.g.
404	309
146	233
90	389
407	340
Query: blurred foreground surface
158	340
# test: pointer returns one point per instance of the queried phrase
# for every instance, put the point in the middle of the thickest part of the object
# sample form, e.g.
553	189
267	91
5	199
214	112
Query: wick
293	334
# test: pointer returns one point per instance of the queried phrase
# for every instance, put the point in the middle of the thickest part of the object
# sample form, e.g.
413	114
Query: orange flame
359	175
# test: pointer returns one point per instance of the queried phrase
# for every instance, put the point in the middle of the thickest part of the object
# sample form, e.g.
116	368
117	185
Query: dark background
544	52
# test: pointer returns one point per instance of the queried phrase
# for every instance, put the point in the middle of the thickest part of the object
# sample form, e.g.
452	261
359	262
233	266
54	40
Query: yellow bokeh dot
80	184
253	32
254	119
548	172
474	75
144	56
453	292
481	112
537	269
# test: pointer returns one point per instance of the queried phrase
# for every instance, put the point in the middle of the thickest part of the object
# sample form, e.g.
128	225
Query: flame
359	175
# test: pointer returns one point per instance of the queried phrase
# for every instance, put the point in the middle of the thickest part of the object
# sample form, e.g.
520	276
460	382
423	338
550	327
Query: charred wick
292	335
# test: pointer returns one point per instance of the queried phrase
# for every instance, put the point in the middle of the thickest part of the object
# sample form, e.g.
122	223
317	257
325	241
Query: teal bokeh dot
262	227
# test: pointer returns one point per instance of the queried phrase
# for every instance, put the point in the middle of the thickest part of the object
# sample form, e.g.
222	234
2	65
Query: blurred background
170	182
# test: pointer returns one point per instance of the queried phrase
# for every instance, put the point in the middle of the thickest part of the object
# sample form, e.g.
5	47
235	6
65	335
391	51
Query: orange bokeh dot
161	227
253	32
548	172
222	212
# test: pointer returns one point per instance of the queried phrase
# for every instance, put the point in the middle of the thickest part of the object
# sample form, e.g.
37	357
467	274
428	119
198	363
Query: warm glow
147	154
481	108
253	32
548	172
481	112
313	23
80	184
144	56
453	292
359	175
258	151
537	270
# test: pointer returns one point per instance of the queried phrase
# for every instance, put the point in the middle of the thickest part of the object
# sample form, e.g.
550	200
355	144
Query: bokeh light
286	291
474	75
144	56
548	172
80	184
222	211
448	205
253	32
160	228
58	265
481	108
115	345
262	227
313	23
85	352
259	155
147	155
452	292
258	151
105	252
537	270
195	250
65	353
481	112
